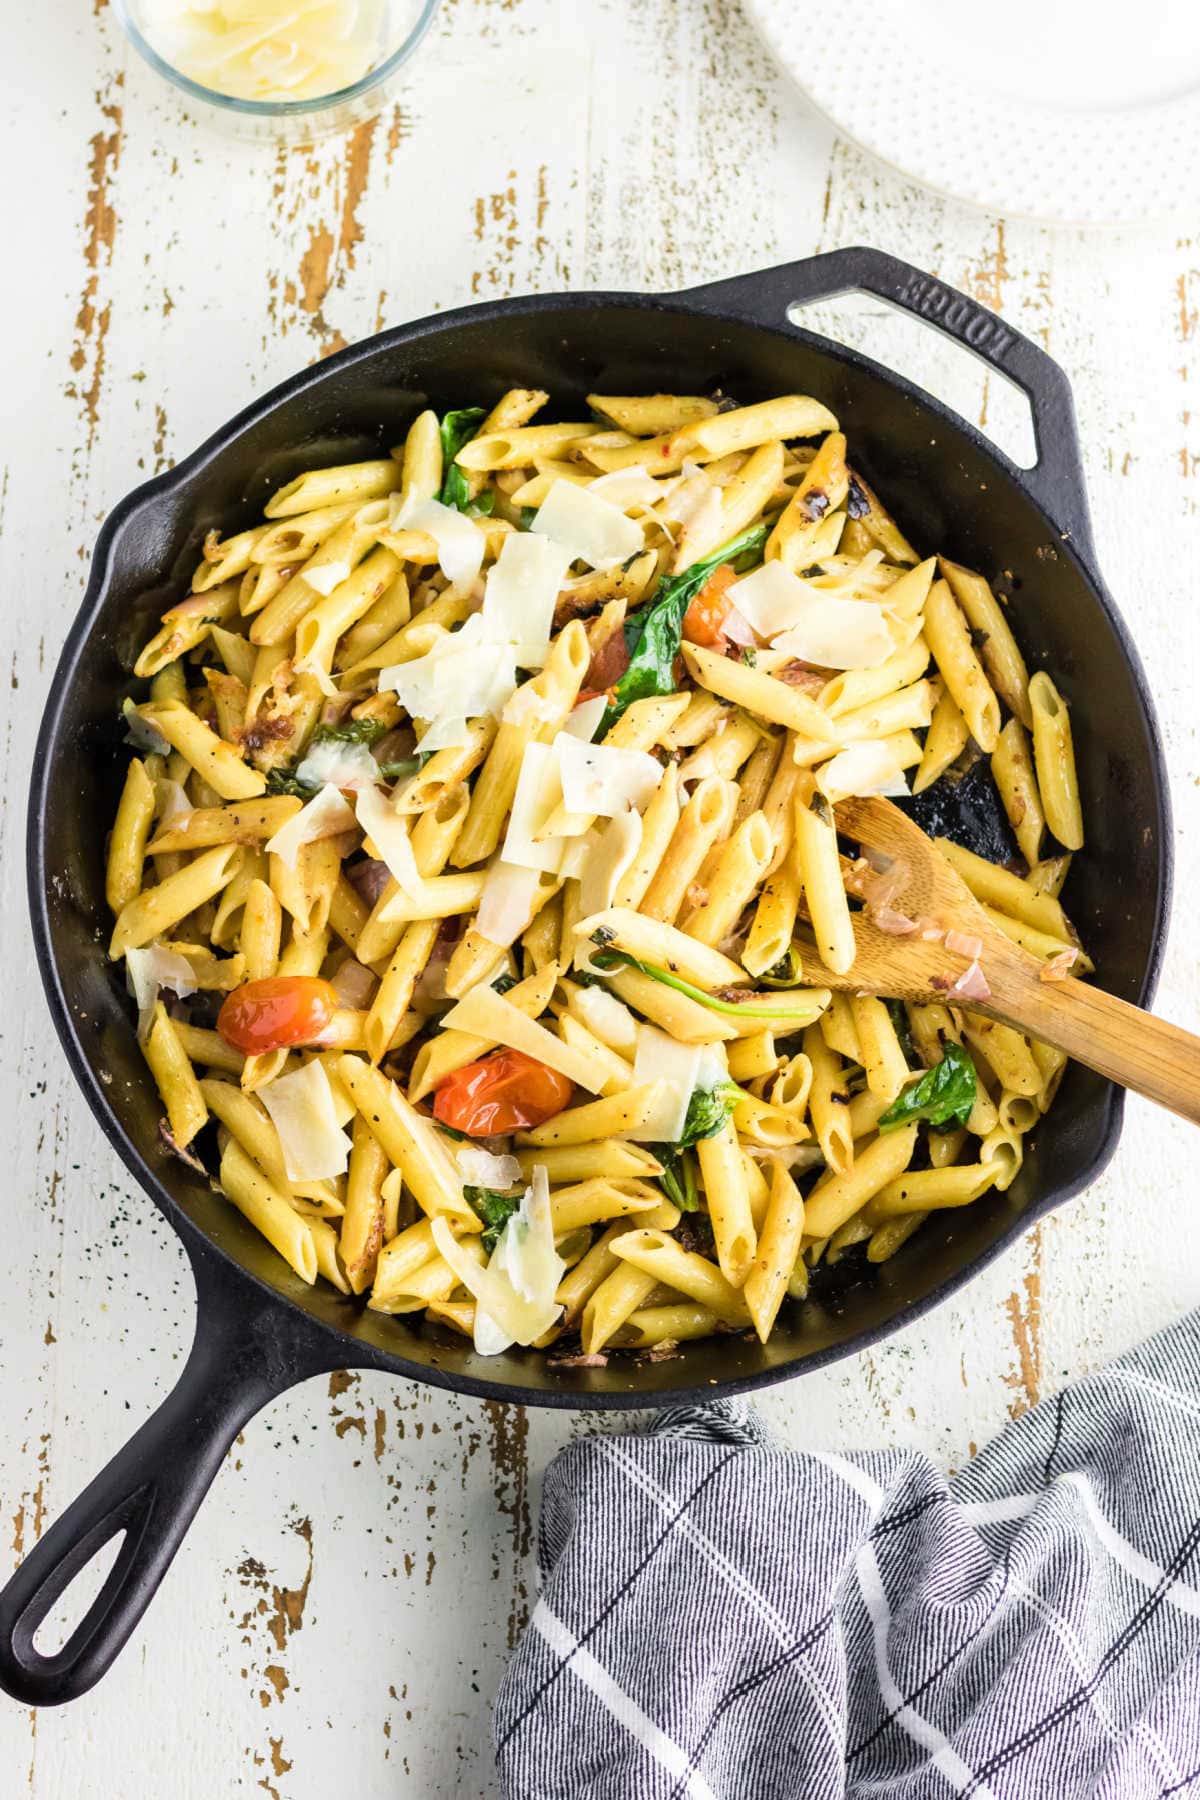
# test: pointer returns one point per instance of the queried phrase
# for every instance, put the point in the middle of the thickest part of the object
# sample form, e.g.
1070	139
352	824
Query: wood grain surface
339	1616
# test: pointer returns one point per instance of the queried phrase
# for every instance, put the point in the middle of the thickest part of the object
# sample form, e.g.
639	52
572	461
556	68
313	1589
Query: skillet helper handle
1056	481
150	1490
1134	1048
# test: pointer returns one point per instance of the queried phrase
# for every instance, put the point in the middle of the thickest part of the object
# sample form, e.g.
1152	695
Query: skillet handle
248	1348
1056	481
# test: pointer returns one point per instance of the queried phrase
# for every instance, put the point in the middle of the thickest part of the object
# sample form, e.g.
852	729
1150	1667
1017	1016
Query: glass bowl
405	23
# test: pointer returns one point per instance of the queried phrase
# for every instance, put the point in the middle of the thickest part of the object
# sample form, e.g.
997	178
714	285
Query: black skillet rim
197	1243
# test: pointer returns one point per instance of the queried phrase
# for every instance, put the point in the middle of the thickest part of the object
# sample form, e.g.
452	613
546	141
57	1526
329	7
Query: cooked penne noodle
557	1029
152	912
175	1078
759	693
728	1194
945	742
687	1272
130	832
840	1194
269	1211
652	415
649	1326
1054	760
821	876
950	643
1007	892
882	1058
990	629
613	1117
220	764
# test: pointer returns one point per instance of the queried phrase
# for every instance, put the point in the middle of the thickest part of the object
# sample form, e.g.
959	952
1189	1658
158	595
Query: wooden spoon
1124	1043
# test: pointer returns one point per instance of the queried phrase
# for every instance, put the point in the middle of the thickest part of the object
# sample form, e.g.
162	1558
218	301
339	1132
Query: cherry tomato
507	1091
277	1013
705	617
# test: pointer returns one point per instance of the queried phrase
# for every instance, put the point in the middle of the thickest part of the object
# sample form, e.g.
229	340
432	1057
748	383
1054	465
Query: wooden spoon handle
1128	1045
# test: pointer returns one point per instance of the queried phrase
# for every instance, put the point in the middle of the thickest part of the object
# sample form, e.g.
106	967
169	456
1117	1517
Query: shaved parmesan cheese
840	634
479	1168
598	778
326	815
326	576
335	763
629	487
539	792
574	858
676	1068
696	501
142	733
610	853
149	969
506	903
705	518
463	676
714	1066
514	1294
771	597
607	1018
486	1014
389	834
445	734
584	720
589	527
525	1252
173	798
863	769
303	1113
738	630
521	593
460	542
528	707
811	624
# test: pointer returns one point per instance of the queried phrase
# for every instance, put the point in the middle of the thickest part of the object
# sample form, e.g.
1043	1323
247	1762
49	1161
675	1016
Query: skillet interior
949	491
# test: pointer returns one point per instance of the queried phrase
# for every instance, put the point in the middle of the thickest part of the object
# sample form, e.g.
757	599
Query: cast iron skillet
259	1330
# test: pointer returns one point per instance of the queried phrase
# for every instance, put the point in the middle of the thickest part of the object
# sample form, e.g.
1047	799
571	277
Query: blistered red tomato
705	618
277	1013
507	1091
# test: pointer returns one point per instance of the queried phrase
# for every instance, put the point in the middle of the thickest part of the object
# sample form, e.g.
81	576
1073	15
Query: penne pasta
552	854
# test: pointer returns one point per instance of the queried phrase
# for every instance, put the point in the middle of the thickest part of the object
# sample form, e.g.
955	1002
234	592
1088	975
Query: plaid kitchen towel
727	1619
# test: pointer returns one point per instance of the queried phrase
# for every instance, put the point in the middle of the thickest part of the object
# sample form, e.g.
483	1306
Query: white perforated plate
1077	111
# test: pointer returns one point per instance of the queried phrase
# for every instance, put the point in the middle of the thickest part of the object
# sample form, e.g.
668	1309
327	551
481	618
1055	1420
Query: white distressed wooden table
339	1616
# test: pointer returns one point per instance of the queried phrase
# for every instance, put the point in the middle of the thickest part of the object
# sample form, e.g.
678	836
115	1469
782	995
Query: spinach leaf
349	731
457	429
678	1178
709	1110
767	1007
495	1210
283	781
943	1096
653	635
528	515
503	982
